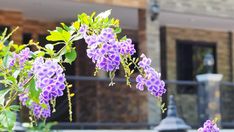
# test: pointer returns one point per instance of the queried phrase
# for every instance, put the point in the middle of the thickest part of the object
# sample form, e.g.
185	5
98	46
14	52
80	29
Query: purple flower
83	30
50	79
92	41
140	82
150	78
23	98
40	112
104	50
20	58
209	126
145	63
126	47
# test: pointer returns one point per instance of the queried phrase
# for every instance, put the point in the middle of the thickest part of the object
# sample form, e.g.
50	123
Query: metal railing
171	84
98	125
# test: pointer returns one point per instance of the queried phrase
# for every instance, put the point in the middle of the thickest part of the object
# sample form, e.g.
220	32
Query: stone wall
216	8
125	3
149	44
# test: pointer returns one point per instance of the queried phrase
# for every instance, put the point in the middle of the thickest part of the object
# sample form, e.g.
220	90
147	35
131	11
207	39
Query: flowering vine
209	126
36	76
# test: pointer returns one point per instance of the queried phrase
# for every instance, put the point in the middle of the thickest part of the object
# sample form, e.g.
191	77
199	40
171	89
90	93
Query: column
149	44
209	97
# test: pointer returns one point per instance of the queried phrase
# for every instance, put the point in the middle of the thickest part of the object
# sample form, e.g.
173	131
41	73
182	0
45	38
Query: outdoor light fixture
154	10
208	62
172	123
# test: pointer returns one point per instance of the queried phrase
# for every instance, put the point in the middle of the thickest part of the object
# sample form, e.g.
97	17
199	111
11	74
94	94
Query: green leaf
59	29
5	60
71	56
15	107
59	35
11	79
93	14
124	38
118	30
65	26
39	53
76	25
18	47
8	119
33	91
84	18
2	95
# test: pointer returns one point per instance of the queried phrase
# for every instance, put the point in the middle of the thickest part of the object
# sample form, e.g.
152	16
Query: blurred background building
176	34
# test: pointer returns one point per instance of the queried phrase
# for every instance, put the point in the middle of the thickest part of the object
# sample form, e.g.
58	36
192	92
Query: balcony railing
186	105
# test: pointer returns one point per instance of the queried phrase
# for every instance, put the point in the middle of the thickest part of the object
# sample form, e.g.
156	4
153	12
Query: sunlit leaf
33	91
76	25
71	56
104	14
2	95
7	119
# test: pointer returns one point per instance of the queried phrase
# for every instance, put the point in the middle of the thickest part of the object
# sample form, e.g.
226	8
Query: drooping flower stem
69	101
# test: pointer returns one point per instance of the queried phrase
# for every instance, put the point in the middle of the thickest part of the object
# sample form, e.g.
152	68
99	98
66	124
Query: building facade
177	40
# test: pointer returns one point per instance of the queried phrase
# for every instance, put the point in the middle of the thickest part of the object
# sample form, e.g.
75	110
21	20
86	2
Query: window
190	55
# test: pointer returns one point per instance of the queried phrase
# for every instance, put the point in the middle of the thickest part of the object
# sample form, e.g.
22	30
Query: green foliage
70	56
59	35
34	92
17	47
7	119
2	96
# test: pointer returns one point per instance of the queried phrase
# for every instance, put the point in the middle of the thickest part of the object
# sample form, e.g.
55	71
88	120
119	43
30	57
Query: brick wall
12	19
37	27
186	102
16	18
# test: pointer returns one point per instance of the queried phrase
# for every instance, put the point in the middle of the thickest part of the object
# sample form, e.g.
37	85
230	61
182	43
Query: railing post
209	97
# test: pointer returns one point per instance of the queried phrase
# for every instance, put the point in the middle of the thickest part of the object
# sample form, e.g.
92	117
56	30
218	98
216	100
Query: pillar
149	44
209	97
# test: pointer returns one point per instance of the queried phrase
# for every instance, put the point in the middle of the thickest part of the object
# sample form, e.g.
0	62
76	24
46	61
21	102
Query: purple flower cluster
37	109
209	126
150	79
50	79
105	50
126	47
23	97
20	58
